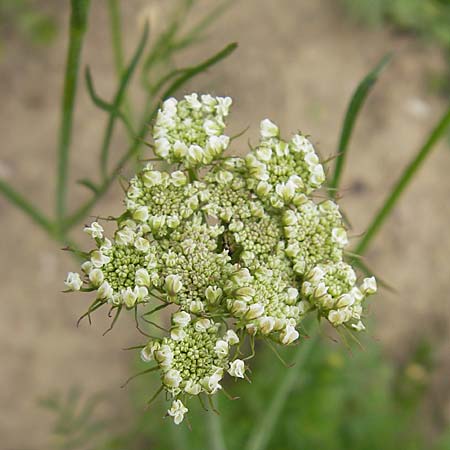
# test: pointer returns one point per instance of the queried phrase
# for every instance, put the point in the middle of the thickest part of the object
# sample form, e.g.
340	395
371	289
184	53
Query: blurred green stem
78	25
117	46
353	109
20	202
116	36
403	182
262	432
215	432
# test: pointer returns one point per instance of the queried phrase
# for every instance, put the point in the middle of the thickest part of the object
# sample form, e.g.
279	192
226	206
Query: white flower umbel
236	248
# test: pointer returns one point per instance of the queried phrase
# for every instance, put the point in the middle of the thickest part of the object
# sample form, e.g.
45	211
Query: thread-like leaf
353	109
24	205
78	25
118	99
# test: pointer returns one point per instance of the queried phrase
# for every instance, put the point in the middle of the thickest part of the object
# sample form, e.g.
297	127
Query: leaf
353	109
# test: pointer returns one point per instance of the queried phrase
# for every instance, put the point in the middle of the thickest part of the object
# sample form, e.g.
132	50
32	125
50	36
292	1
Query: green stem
215	432
118	99
117	46
116	36
78	25
353	109
20	202
403	182
262	432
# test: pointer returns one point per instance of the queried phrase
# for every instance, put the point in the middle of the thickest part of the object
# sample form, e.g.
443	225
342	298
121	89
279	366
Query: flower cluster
237	248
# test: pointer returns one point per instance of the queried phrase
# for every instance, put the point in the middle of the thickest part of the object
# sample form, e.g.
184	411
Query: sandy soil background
298	62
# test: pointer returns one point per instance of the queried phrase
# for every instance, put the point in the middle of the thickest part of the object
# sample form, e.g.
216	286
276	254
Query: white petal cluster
332	289
238	248
191	130
281	172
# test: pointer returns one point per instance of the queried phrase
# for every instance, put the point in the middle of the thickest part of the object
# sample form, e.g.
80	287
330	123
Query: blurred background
298	63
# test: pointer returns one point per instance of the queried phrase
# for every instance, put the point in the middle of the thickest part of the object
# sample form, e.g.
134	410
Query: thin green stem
118	99
78	25
353	109
22	203
116	36
117	45
262	432
403	182
217	438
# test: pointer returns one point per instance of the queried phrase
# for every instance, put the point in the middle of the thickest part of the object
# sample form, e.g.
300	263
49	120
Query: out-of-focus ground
298	63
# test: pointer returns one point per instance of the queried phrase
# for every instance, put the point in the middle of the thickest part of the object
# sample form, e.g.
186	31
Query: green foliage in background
22	17
429	19
353	400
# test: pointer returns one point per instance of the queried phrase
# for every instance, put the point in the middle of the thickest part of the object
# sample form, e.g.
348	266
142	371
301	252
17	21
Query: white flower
201	325
263	188
124	236
177	334
237	368
337	317
86	267
162	148
231	337
192	387
255	310
105	291
223	105
213	294
151	178
211	384
178	178
170	106
369	286
193	101
212	128
339	236
221	348
181	318
292	294
148	352
164	356
73	281
239	308
266	324
96	277
172	378
99	259
173	284
264	154
286	191
141	214
196	307
177	411
142	278
129	297
195	154
268	129
317	175
179	151
345	300
95	230
359	326
289	335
